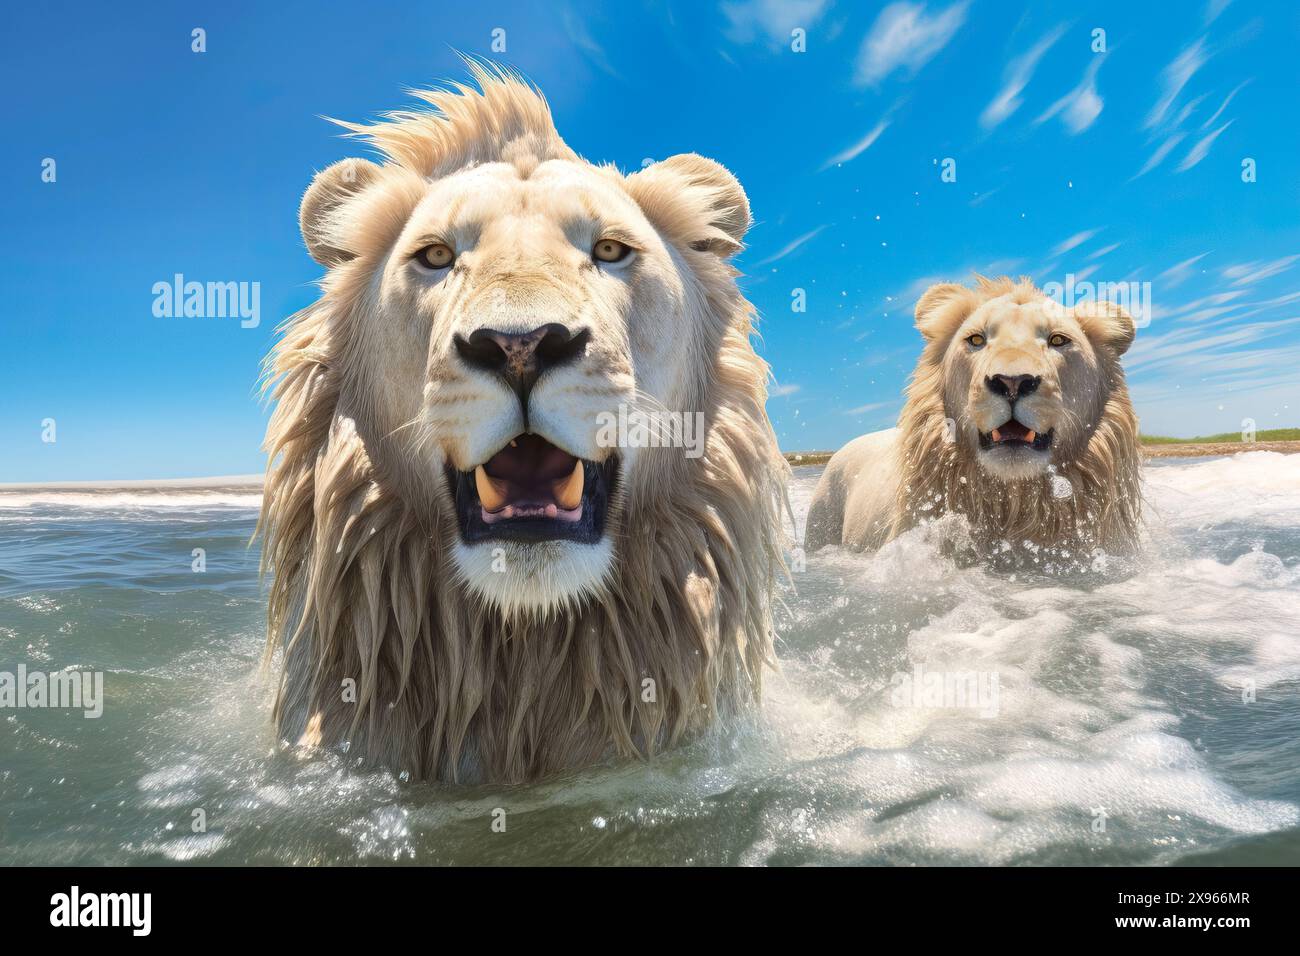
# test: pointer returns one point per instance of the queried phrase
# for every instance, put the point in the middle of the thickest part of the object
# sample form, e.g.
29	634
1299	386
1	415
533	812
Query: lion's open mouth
532	490
1013	435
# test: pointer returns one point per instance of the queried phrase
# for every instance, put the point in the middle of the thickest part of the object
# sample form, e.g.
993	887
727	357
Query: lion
469	584
1017	418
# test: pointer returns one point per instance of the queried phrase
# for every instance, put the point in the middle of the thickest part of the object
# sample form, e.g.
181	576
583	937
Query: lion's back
855	498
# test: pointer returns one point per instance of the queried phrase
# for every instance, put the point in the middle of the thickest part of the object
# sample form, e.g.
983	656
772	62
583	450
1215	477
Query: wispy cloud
1222	308
771	18
1201	149
1189	346
863	409
790	247
1220	344
781	391
998	267
1248	273
1103	251
1078	239
1188	109
1213	9
1173	78
905	36
1158	157
1207	307
1179	272
859	147
1080	107
1019	71
1262	377
1223	106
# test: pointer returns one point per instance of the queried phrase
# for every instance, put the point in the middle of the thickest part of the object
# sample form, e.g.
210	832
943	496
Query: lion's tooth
568	491
489	491
1030	435
996	435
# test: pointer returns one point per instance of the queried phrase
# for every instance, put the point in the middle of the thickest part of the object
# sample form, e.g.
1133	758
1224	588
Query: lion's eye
437	256
975	341
1058	340
610	250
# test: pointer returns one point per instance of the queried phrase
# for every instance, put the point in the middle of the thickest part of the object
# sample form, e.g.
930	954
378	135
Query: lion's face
517	307
1025	381
556	303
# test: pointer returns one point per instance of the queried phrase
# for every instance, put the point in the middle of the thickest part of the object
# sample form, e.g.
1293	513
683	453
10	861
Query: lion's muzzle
532	490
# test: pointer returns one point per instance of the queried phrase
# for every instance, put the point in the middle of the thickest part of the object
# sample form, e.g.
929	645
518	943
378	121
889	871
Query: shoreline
215	483
1203	449
1158	450
253	483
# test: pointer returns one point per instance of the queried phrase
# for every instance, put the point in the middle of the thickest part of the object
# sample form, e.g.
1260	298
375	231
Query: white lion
1017	418
507	595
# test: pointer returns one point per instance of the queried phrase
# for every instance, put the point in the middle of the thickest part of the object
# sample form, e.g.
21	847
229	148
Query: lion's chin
533	579
1013	464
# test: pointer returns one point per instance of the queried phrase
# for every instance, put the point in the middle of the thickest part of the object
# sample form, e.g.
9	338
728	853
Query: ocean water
1146	713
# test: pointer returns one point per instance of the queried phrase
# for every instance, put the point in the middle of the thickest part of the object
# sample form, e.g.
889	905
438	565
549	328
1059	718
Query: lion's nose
520	358
1013	386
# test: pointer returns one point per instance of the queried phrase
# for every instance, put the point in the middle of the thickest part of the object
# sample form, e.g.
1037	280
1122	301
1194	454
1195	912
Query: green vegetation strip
1268	434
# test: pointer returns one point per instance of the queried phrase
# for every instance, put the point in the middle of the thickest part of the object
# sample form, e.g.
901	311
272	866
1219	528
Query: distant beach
1152	447
219	490
243	487
233	482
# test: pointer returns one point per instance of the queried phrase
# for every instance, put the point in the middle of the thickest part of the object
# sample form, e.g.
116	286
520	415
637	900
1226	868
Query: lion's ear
695	200
942	308
1107	324
331	188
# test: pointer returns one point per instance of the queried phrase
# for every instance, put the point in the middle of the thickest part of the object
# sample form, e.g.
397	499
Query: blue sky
1122	166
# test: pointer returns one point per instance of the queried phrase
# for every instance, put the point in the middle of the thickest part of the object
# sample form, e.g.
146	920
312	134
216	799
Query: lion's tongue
1011	431
531	478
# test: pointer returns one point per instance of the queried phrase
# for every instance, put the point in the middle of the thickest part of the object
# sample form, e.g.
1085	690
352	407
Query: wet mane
1100	508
